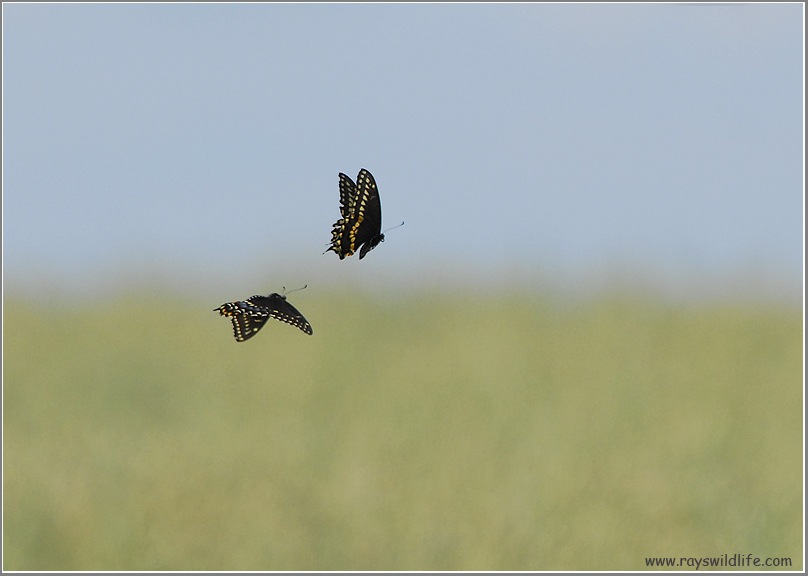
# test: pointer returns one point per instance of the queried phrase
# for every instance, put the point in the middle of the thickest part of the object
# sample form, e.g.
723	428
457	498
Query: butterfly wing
280	309
368	226
347	201
247	319
347	195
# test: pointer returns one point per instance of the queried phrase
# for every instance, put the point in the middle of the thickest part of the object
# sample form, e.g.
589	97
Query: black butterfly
250	315
361	222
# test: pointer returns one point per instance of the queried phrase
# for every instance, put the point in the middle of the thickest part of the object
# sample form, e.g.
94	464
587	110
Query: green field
505	431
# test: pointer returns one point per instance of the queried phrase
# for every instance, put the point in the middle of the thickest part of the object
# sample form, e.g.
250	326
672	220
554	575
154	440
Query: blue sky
203	141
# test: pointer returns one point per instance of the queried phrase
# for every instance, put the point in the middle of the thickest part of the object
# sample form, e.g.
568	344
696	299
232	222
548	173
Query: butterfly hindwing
249	316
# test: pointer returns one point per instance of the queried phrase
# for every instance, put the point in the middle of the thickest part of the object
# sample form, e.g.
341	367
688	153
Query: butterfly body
361	223
249	316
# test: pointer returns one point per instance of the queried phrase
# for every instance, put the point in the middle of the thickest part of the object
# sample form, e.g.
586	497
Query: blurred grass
420	432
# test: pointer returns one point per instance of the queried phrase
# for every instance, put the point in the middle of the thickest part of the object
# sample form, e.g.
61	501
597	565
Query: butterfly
361	223
250	315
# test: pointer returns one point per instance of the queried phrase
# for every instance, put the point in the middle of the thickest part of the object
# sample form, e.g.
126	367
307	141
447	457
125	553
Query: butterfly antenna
295	290
397	226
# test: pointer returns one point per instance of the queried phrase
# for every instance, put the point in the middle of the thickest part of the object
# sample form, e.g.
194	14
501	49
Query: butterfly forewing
367	231
280	309
247	323
347	195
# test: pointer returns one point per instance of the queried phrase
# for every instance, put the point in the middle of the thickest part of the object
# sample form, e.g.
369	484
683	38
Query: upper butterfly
250	315
361	222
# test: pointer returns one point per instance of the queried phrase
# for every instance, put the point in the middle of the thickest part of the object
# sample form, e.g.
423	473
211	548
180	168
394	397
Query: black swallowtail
361	222
250	315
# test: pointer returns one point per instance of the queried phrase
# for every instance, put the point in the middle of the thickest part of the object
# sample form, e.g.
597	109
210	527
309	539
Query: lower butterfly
249	316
